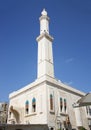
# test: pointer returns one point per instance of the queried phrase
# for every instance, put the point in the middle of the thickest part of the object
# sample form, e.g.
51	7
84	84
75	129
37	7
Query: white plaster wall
18	103
44	26
56	116
78	117
45	58
43	114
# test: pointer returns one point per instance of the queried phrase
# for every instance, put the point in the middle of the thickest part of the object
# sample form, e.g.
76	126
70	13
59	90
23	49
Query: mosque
48	100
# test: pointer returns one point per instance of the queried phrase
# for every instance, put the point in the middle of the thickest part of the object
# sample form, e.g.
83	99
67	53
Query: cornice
64	87
49	81
45	34
44	17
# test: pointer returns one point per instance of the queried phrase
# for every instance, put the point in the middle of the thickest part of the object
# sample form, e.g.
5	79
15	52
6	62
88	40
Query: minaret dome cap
44	12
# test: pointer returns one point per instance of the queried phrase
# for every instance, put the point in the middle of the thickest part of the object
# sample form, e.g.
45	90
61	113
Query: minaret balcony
45	34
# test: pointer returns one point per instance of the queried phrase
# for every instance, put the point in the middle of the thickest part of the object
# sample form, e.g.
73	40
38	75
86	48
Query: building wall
57	118
18	103
3	112
24	127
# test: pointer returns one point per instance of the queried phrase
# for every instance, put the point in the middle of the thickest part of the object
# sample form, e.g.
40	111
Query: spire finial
44	12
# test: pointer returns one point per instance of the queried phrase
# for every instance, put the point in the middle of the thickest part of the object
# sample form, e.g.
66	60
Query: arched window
10	114
61	104
33	105
27	107
51	102
65	105
51	128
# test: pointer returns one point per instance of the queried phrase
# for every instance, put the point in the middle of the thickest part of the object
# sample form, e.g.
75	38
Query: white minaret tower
45	56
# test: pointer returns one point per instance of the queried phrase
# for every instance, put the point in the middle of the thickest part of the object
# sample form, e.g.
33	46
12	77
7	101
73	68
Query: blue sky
70	25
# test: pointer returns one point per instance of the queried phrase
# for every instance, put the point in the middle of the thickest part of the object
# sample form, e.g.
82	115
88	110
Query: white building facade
47	100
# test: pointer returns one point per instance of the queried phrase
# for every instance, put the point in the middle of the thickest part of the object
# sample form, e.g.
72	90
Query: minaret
45	56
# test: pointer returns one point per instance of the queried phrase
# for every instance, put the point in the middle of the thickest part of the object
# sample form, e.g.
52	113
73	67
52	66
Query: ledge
63	114
31	114
52	112
88	117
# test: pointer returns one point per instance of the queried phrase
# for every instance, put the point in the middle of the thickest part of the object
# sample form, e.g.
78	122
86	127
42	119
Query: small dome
44	12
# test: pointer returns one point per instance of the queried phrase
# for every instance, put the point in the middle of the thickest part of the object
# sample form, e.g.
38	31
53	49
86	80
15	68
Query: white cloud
69	60
68	83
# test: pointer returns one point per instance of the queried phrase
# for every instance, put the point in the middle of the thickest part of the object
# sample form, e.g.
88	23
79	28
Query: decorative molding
44	17
46	35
